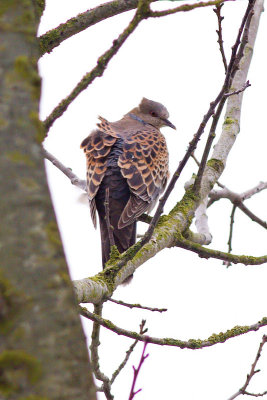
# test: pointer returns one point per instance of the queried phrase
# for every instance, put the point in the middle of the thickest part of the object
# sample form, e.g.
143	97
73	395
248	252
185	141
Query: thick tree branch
233	66
216	164
182	344
56	36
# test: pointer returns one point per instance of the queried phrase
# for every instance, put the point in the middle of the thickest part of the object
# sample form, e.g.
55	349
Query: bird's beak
168	123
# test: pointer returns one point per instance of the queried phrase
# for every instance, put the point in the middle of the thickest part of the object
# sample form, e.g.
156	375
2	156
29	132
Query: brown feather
127	161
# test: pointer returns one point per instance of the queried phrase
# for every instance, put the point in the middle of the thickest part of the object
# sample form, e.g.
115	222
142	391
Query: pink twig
136	372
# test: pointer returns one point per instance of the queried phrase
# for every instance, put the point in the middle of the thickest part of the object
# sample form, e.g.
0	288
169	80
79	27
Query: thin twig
186	7
227	263
129	305
137	371
231	229
217	11
192	344
253	372
95	356
142	331
66	171
109	227
247	84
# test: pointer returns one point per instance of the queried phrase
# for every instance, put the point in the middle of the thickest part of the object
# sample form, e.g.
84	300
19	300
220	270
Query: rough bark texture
42	348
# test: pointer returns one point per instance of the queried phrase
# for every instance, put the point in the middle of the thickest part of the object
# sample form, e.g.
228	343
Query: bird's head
153	113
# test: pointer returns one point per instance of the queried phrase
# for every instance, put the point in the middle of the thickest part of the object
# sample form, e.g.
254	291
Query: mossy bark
43	352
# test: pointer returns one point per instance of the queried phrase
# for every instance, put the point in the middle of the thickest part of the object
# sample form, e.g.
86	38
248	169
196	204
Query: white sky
174	60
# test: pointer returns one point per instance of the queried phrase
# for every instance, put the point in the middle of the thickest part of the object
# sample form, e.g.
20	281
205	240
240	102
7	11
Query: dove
127	164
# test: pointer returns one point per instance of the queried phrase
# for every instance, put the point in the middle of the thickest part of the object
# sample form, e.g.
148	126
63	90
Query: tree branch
186	7
136	372
95	343
217	11
253	372
122	303
80	183
237	199
193	344
233	66
205	252
216	164
227	263
56	36
128	353
141	13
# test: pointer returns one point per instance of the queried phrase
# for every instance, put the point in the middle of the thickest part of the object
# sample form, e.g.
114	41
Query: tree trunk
43	352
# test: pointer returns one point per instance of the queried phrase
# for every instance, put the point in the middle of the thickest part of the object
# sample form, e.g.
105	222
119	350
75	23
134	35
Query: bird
127	164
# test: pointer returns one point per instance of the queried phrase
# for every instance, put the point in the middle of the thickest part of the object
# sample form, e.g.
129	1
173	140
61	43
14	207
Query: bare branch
80	22
66	171
136	373
216	164
55	37
247	84
237	199
227	263
193	344
128	353
231	70
95	356
205	252
141	13
186	7
253	372
257	189
122	303
217	11
252	216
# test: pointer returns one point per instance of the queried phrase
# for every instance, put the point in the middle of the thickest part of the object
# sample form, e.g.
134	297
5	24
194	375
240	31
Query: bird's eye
153	114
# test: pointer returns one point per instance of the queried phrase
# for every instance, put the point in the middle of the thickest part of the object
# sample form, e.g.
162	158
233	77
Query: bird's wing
144	163
96	147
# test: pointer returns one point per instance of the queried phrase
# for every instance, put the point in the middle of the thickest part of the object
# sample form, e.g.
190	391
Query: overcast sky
174	60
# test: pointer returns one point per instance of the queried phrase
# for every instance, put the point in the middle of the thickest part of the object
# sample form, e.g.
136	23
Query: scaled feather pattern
129	158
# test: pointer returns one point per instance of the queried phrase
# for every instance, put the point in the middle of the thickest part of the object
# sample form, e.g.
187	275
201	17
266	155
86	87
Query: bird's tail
123	238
